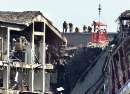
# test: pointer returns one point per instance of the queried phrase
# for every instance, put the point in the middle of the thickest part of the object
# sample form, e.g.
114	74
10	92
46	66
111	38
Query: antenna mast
99	9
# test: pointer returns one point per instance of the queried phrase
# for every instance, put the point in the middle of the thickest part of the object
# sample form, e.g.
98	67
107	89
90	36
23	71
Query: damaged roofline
25	19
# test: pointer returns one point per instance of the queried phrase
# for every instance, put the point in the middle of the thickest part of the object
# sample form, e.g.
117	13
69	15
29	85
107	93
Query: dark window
38	26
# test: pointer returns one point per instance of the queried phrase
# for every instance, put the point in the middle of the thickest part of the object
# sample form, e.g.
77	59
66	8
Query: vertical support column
2	42
32	80
121	71
110	76
126	63
32	61
44	58
6	74
113	77
8	53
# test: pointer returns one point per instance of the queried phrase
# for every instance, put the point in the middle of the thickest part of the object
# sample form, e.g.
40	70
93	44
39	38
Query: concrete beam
39	33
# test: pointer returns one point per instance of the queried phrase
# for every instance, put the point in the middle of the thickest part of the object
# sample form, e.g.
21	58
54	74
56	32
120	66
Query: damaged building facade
110	74
118	68
36	58
29	52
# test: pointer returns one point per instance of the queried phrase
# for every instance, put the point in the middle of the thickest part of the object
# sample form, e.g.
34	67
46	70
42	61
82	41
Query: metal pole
99	14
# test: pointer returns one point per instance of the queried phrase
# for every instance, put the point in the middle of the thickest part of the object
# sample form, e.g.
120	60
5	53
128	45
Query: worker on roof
71	27
65	27
94	24
84	28
89	29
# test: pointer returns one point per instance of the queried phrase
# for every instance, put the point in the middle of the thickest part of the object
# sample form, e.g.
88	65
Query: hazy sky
79	12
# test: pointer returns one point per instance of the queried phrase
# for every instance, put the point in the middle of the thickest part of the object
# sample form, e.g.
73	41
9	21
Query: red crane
99	35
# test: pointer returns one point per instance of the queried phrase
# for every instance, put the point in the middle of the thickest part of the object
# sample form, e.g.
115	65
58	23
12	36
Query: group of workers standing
65	27
70	26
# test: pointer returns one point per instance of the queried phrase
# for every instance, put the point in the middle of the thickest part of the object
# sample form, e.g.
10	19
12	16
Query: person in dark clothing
89	29
76	29
94	24
84	28
65	27
71	27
